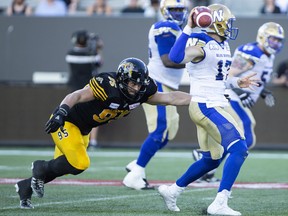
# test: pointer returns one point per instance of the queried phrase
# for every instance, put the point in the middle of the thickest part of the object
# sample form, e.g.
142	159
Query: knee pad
239	147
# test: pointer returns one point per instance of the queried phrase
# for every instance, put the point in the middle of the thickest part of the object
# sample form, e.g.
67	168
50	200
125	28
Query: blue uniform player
208	59
257	57
162	121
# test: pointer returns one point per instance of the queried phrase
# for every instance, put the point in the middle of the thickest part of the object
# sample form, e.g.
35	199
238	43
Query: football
202	17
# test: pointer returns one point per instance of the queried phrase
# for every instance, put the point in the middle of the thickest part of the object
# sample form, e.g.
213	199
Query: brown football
202	17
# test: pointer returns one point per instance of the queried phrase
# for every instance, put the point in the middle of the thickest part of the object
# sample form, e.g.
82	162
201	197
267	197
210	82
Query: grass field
261	189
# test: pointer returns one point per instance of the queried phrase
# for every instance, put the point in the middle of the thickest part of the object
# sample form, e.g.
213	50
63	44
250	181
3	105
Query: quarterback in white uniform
162	121
250	58
208	61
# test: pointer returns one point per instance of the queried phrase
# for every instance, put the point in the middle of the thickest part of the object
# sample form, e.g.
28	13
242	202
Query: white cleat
169	198
131	165
135	181
220	207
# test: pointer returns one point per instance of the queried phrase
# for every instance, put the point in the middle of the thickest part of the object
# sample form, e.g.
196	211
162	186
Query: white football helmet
223	22
271	36
175	10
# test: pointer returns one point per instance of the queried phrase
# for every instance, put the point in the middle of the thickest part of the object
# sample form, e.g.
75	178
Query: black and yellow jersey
109	103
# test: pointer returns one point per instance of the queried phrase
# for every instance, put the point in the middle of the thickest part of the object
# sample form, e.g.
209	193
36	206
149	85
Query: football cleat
131	165
196	155
210	178
220	207
37	181
24	190
26	204
135	181
168	197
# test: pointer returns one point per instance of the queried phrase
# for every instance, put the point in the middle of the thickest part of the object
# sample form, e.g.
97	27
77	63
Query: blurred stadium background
30	45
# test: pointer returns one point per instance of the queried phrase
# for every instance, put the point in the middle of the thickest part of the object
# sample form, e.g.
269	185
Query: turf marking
90	182
100	199
100	153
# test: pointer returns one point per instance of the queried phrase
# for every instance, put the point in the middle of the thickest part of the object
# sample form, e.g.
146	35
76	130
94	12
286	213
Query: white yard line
102	199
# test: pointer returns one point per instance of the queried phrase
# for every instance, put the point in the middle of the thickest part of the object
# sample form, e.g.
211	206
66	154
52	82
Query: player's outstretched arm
244	82
79	96
176	98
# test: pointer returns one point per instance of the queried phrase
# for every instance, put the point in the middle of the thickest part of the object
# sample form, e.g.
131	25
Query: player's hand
57	120
248	81
268	97
190	19
245	98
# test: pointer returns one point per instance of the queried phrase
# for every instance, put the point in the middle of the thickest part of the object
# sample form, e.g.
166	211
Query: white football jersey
170	77
208	77
263	66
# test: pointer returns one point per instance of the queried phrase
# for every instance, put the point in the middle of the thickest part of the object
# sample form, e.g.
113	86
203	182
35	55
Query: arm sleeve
177	52
165	43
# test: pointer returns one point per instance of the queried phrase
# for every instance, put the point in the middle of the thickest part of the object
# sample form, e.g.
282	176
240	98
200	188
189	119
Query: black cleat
26	204
23	188
197	155
37	181
210	178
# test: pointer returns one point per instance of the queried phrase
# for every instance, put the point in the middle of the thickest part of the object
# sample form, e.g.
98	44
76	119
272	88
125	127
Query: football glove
57	119
268	97
245	98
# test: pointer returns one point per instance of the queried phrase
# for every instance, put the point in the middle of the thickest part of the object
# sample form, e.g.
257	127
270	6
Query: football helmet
135	70
223	22
271	36
175	10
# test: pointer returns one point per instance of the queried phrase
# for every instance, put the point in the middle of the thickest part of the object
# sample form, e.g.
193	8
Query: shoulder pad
102	84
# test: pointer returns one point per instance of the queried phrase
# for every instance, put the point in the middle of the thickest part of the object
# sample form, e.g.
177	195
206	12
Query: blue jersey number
221	64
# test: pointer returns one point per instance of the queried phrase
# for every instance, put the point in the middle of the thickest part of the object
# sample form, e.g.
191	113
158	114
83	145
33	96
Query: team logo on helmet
218	15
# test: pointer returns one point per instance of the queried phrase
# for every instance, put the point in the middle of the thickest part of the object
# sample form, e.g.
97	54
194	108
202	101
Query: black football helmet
135	70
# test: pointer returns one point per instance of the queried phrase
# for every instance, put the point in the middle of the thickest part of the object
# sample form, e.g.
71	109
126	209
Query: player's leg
23	188
245	116
163	123
210	160
93	140
232	140
70	158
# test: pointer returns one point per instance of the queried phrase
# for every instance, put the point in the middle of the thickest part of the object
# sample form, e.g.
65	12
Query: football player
208	61
249	58
162	121
108	96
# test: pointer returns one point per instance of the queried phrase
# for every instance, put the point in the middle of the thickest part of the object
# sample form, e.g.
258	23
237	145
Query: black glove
268	97
57	120
245	97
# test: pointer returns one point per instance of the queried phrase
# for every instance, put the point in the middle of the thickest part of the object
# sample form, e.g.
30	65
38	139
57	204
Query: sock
176	190
198	169
238	153
59	167
148	150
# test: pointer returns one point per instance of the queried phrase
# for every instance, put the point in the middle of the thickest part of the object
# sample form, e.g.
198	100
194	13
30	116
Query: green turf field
262	186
